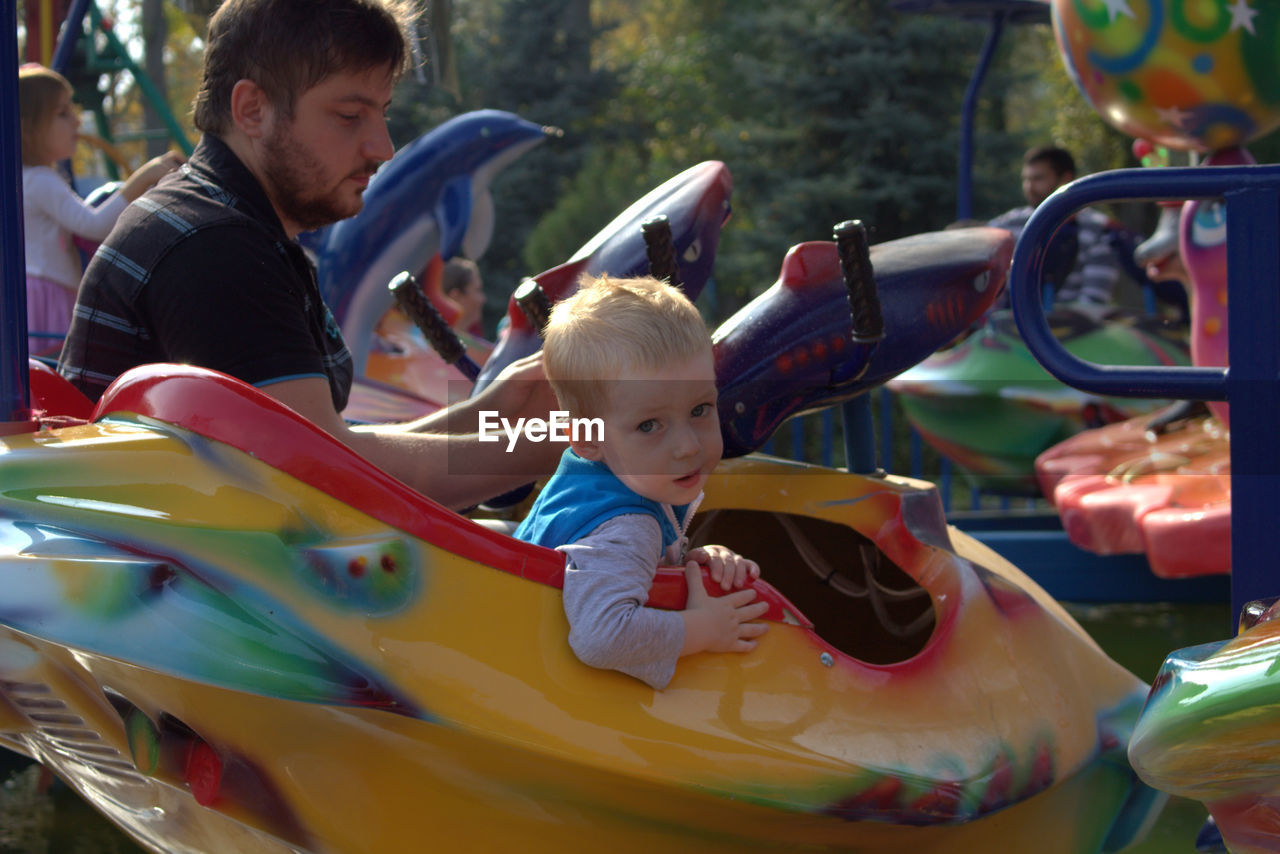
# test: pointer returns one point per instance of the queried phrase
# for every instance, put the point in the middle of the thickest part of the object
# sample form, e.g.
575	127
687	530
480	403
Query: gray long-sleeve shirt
606	583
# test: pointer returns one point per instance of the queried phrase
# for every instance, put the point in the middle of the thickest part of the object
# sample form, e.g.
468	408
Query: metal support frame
964	189
15	382
1251	196
116	58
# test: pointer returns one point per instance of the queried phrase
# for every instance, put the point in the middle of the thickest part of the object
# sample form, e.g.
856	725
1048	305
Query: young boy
634	353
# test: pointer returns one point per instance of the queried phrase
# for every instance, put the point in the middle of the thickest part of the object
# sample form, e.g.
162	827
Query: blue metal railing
15	388
1251	196
964	188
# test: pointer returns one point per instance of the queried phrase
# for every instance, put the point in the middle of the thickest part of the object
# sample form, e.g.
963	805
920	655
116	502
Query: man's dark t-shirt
200	271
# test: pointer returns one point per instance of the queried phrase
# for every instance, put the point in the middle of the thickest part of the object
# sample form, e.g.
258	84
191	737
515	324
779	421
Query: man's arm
243	317
441	455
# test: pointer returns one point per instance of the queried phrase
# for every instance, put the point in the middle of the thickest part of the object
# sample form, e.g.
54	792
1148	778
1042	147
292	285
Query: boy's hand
720	624
728	568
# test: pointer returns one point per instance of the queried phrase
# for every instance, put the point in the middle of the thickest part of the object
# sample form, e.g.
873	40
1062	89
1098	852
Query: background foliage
824	110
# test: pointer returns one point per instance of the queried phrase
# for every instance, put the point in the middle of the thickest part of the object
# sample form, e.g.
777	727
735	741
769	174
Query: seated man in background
1081	262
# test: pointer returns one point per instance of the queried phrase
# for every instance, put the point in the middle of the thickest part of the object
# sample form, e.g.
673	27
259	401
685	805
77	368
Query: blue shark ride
789	351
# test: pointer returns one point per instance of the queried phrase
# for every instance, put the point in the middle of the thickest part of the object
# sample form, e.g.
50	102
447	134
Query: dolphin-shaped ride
431	199
229	632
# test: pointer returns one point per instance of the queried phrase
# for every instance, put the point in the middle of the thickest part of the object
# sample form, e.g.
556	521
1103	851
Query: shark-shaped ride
789	350
695	203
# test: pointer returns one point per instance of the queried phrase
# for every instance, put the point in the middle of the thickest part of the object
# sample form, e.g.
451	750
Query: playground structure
87	49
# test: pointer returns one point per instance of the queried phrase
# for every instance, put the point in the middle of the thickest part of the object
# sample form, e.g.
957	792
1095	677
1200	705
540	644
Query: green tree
839	111
534	58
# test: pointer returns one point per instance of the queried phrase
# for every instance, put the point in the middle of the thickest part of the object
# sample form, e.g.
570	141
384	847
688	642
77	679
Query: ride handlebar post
534	304
414	303
867	331
661	250
860	280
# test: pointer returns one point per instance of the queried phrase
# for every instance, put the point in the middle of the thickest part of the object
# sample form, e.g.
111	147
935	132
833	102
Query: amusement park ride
230	633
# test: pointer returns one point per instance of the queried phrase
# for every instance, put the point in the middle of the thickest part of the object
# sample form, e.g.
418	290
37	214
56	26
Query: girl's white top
52	214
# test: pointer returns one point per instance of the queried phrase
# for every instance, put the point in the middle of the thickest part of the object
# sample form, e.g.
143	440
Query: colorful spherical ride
1189	75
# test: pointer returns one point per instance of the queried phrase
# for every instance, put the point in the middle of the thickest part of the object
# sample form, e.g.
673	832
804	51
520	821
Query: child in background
635	354
461	282
52	212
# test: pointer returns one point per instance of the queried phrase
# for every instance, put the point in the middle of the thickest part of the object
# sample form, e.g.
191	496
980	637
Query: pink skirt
49	308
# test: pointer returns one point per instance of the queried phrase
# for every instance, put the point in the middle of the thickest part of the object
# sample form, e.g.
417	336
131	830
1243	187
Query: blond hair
610	326
39	90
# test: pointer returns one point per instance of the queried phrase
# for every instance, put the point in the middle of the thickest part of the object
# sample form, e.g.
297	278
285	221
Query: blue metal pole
1253	389
964	192
72	27
886	428
15	383
944	483
1252	383
859	435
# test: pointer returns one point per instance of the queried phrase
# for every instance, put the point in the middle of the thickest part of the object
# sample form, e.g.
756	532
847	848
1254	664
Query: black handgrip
860	279
440	335
661	250
534	303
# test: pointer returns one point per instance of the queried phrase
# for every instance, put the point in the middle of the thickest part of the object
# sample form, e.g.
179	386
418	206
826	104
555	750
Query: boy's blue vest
580	496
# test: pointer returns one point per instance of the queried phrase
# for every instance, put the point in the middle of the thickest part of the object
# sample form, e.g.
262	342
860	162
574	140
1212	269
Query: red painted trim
52	395
227	410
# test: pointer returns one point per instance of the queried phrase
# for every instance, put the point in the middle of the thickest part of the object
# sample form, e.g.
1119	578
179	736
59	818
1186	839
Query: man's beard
294	174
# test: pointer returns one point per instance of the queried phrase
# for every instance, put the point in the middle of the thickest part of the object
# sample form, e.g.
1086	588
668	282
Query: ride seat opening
859	601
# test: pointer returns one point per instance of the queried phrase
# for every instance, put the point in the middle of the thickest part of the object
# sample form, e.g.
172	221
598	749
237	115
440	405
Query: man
206	270
1081	262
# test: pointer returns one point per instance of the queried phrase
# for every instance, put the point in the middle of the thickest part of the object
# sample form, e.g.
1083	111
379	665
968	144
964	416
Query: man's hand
520	390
